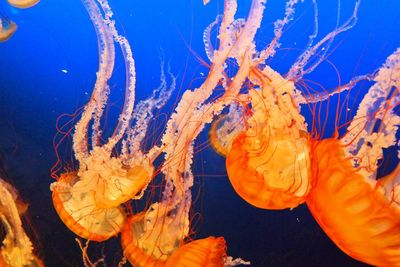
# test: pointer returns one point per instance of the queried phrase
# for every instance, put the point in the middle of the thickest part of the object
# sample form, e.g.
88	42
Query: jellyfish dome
7	29
23	3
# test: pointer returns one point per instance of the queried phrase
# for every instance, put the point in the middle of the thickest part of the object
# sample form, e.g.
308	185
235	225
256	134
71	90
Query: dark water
48	68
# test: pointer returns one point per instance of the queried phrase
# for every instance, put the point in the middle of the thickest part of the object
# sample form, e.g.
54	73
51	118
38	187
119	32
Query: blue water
48	68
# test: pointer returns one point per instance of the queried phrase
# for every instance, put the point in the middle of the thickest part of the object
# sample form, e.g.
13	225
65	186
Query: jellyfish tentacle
297	71
130	74
278	28
376	123
94	108
208	46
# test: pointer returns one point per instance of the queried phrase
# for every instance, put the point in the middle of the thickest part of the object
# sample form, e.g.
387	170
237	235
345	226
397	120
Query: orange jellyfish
226	128
268	162
358	212
7	29
23	3
88	200
16	249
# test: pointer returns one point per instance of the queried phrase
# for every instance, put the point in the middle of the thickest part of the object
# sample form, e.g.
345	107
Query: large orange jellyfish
88	200
16	248
359	213
268	154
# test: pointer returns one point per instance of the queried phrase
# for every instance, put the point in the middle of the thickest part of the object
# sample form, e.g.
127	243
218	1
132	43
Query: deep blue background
58	35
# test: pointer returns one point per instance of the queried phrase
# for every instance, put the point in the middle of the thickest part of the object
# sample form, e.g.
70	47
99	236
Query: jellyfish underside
77	208
7	29
113	182
269	164
210	251
88	200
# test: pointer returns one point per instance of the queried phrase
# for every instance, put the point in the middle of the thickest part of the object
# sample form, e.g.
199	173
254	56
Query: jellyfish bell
76	206
226	128
7	29
360	213
210	251
23	3
144	252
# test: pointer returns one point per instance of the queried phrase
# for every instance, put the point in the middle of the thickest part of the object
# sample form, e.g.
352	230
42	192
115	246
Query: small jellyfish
23	3
7	29
226	128
358	212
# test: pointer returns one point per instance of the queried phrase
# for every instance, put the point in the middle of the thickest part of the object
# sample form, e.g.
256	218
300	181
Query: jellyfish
23	3
7	28
225	128
268	161
17	248
88	200
360	213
